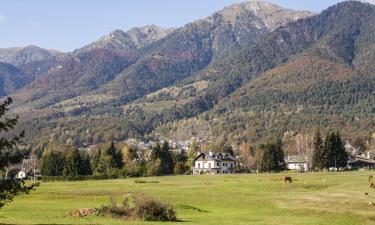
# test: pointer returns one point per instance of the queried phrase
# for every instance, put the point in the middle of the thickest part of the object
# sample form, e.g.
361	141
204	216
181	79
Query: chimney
210	153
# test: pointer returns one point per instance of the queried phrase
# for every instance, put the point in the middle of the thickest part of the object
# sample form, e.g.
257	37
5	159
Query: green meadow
313	198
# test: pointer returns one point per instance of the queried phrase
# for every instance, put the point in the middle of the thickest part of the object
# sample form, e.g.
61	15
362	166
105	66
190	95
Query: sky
69	24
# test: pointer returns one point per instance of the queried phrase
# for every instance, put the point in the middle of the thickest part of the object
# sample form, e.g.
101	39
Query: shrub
150	209
138	207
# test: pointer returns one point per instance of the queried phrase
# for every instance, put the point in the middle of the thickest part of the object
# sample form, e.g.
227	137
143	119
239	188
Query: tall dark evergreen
73	163
9	186
336	155
114	155
85	167
318	158
52	163
166	159
273	156
161	156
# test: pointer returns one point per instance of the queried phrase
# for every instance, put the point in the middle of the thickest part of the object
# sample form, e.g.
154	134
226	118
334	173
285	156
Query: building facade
214	163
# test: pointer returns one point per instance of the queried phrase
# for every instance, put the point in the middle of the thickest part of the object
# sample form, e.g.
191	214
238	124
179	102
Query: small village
214	162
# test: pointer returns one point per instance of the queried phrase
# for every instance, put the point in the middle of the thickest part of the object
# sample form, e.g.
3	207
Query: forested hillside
90	95
243	73
320	75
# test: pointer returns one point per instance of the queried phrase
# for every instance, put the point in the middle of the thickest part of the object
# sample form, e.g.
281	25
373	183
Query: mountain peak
132	39
271	15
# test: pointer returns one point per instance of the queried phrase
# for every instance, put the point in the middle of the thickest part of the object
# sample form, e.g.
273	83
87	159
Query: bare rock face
267	15
133	39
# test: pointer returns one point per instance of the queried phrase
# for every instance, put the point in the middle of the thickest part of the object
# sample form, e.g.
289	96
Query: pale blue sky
69	24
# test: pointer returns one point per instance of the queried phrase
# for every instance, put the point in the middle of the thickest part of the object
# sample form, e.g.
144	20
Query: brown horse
288	179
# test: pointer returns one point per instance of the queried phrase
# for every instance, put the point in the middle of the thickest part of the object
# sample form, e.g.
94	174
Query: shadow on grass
188	207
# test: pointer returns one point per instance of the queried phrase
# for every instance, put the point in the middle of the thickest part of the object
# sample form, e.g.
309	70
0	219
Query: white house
21	175
297	162
214	163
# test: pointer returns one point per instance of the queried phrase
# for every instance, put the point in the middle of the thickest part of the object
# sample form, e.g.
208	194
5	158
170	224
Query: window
218	164
209	165
199	165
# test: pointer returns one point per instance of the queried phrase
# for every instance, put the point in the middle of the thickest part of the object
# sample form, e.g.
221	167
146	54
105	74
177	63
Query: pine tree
342	155
334	150
115	155
166	159
318	160
96	160
85	167
273	156
10	187
73	163
52	163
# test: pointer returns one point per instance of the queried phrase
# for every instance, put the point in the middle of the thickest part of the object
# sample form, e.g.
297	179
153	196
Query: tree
154	168
73	163
162	154
246	154
115	155
180	163
336	155
85	167
192	153
129	154
273	156
96	159
318	158
52	163
9	186
166	159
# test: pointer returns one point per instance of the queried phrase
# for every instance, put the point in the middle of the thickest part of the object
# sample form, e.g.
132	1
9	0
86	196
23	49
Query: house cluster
214	163
357	160
28	168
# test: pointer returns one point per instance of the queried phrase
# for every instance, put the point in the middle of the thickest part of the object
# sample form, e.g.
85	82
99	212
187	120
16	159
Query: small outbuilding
360	162
298	163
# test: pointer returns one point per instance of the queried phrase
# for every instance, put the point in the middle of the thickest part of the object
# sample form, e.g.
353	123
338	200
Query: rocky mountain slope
131	40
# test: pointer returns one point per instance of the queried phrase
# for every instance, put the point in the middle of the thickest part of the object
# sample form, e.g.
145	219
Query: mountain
74	76
11	79
244	73
316	72
27	55
131	40
161	63
193	47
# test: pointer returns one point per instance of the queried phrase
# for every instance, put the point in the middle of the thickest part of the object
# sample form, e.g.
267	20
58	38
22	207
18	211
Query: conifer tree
273	156
73	163
318	160
9	186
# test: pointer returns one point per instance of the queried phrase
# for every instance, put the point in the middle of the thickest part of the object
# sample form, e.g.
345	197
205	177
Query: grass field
221	199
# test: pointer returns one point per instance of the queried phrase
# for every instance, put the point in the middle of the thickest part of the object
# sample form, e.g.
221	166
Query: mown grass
220	199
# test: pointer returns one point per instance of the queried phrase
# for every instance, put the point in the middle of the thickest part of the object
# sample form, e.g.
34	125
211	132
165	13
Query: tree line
111	161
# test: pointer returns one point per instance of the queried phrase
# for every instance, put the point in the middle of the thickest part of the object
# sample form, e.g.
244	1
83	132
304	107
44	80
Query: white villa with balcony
214	163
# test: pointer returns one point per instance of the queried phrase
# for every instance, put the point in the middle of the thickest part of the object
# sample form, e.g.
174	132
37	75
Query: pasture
313	198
